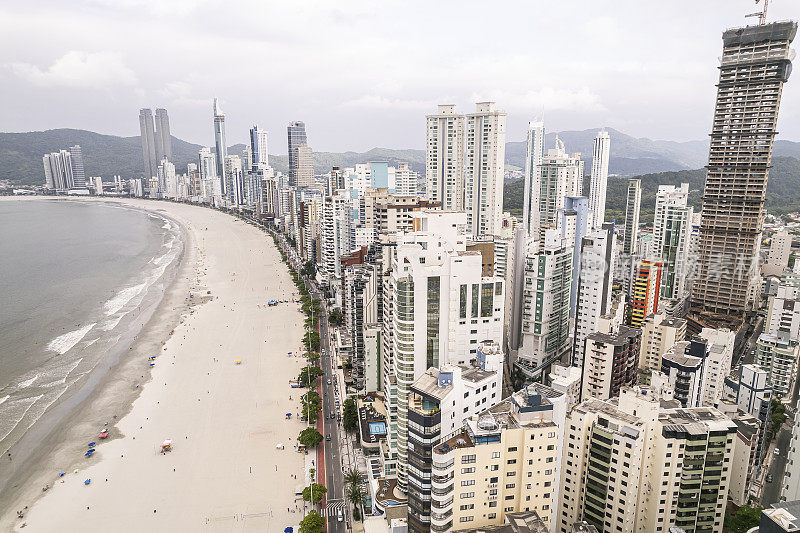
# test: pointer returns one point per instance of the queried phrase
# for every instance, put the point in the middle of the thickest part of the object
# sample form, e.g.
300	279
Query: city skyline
680	80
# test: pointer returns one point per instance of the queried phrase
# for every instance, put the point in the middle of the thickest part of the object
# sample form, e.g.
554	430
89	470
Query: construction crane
762	15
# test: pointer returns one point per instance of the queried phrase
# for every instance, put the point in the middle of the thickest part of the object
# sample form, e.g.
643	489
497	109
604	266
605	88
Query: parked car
769	478
328	437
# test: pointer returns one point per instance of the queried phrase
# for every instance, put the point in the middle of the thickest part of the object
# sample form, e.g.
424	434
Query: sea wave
18	409
124	296
64	343
28	382
4	398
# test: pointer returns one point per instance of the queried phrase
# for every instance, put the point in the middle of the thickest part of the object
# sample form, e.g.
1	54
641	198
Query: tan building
505	461
778	255
659	334
639	464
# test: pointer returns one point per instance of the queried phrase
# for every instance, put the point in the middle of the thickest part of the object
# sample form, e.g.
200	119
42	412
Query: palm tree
355	490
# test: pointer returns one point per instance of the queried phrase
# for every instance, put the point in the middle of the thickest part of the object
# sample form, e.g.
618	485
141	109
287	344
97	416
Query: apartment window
475	300
487	302
462	308
495	455
466	459
467	507
510	485
492	504
467	482
469	470
511	462
466	495
492	516
466	519
512	448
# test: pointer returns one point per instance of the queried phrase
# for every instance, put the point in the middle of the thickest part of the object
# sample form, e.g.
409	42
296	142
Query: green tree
312	404
312	523
336	318
743	519
318	492
354	482
350	415
310	437
309	270
311	341
778	416
308	375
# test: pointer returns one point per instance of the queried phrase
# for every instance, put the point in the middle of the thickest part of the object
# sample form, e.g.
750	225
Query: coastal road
334	477
770	493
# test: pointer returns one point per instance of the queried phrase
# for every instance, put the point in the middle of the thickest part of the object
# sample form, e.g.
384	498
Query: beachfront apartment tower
484	170
58	171
533	161
296	136
163	137
442	305
444	158
147	132
755	63
78	172
633	204
601	152
258	148
304	163
640	463
221	147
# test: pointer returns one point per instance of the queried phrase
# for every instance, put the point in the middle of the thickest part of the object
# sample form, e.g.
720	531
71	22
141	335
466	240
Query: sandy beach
225	471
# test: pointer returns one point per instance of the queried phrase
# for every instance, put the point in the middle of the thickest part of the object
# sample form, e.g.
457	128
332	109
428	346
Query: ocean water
72	276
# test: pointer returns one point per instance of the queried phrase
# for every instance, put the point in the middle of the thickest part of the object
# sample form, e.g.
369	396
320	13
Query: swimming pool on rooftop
377	428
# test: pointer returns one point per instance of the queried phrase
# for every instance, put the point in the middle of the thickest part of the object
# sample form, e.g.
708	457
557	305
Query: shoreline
105	394
242	267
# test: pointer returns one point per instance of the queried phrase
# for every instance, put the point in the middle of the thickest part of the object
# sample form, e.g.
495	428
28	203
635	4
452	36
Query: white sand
225	420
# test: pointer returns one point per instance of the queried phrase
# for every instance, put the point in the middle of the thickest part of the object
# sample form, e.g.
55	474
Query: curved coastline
105	394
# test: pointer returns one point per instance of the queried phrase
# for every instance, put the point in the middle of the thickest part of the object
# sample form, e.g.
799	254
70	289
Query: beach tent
279	446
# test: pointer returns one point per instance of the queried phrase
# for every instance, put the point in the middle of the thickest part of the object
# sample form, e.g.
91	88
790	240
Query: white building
593	287
444	158
560	176
335	238
441	307
533	161
719	346
167	181
790	485
545	303
780	247
633	205
601	152
783	315
405	180
484	169
672	234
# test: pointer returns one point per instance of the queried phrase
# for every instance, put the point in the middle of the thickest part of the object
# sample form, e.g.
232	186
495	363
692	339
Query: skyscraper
755	63
58	171
599	181
147	132
258	147
304	166
483	172
444	158
163	138
78	172
560	176
296	136
533	162
222	147
632	208
672	232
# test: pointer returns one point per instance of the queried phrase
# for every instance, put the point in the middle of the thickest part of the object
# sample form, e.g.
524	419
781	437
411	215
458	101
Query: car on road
329	382
328	437
777	451
333	414
339	514
769	478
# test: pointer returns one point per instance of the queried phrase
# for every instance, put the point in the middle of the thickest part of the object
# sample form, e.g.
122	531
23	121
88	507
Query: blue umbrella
288	530
91	444
61	473
87	481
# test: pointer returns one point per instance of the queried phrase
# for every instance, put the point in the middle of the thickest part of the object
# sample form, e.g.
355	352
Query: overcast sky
364	73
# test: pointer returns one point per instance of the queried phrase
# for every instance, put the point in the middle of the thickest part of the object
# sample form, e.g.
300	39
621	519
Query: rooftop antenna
762	15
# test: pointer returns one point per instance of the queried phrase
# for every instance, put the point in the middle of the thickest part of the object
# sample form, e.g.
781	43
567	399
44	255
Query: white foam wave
69	368
25	405
124	296
64	343
4	398
28	382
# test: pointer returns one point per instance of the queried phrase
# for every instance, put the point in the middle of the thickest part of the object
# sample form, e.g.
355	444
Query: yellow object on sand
238	361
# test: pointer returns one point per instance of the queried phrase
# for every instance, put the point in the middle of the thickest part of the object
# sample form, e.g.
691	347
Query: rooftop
521	522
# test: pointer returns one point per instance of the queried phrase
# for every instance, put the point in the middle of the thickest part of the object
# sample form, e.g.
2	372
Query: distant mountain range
107	155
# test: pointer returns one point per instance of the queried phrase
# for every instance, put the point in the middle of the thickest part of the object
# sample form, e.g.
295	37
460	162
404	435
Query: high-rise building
405	180
304	166
778	354
78	172
601	152
659	333
221	147
147	132
646	290
167	180
547	281
444	158
593	288
209	183
507	459
441	307
484	169
58	171
755	63
163	138
533	161
296	136
632	207
780	248
560	176
258	147
574	222
635	464
790	485
672	234
234	171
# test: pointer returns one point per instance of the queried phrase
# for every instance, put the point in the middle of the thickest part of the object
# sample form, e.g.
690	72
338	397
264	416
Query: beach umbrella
91	444
288	530
87	481
279	446
60	474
